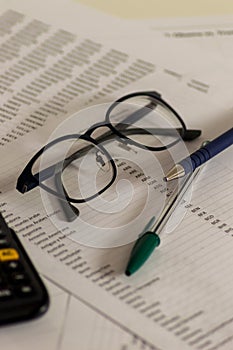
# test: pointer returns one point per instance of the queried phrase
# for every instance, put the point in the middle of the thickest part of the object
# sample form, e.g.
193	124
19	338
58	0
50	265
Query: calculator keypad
14	281
22	293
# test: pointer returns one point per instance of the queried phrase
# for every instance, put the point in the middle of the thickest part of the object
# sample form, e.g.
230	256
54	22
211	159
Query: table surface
156	9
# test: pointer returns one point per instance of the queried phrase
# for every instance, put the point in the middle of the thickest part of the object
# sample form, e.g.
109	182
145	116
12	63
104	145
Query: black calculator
22	292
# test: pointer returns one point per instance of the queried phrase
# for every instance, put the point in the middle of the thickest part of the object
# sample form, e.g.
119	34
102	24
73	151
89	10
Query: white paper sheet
181	297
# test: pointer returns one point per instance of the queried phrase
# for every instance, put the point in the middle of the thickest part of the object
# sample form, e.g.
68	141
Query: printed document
181	298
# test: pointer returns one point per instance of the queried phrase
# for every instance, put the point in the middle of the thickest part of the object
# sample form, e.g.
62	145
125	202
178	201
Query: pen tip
176	172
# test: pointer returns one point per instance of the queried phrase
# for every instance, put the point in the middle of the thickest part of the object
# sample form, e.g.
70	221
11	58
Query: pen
201	156
149	239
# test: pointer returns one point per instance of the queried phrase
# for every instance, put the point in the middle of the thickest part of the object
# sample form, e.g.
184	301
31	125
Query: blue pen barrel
207	152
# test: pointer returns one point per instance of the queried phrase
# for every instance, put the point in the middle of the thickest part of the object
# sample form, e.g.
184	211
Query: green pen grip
141	251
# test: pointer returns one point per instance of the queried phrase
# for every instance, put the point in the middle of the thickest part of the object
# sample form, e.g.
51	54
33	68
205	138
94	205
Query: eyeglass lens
146	121
84	167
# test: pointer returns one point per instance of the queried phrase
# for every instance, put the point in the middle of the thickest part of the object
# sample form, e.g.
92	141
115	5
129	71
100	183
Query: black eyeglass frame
27	181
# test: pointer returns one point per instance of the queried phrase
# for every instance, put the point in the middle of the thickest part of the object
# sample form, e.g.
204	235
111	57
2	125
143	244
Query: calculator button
8	254
4	242
25	290
2	231
18	277
12	266
5	293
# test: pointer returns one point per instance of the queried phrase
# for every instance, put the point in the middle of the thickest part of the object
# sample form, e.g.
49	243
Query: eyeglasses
77	167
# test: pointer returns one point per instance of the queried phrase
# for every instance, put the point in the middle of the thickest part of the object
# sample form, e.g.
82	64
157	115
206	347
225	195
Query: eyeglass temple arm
26	181
135	116
24	184
188	135
69	210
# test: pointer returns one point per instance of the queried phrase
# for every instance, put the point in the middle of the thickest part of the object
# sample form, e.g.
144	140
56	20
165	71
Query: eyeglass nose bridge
93	128
100	150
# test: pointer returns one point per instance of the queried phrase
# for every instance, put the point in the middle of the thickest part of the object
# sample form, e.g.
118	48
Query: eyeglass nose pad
102	163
